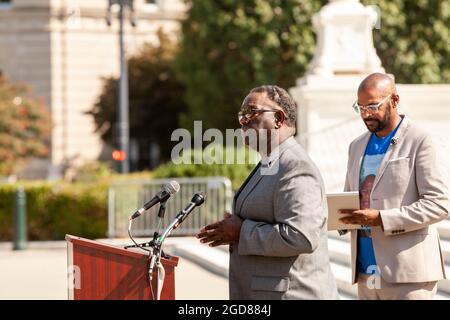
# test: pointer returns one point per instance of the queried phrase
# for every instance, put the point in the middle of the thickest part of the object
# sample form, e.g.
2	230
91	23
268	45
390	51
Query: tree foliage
230	46
413	41
155	101
25	127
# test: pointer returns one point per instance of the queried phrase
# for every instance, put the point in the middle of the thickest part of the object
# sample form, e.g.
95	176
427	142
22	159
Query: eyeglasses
245	116
372	108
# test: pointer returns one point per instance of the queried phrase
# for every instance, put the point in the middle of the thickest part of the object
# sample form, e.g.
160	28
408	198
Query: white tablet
338	201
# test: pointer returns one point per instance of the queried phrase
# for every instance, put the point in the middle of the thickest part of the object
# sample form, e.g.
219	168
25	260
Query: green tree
25	127
230	46
413	41
155	101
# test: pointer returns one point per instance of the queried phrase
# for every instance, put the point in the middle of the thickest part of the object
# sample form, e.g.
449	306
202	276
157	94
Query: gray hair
283	99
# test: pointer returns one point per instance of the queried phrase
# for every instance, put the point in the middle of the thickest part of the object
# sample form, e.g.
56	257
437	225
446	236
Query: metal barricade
126	197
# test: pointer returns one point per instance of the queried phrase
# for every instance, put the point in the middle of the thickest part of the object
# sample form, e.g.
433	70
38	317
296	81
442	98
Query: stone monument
344	40
344	56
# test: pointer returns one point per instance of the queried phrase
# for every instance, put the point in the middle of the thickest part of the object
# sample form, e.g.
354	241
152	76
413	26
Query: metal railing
126	197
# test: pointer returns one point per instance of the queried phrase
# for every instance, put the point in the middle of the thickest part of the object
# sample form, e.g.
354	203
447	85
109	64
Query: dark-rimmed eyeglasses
372	108
250	114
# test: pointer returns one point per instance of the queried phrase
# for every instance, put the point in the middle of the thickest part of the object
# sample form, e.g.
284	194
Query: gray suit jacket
282	251
411	190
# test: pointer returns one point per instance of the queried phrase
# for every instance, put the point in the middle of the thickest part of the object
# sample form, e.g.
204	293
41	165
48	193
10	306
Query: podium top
78	241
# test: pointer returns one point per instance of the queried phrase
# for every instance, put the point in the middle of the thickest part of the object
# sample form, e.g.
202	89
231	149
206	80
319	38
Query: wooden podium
98	271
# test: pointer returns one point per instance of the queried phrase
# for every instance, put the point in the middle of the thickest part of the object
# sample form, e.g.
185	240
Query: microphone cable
151	253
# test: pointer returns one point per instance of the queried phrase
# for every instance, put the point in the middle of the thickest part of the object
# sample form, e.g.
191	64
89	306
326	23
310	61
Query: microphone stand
154	254
151	243
155	258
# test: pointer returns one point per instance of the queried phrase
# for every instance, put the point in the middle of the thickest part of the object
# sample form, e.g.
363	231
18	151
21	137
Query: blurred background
92	90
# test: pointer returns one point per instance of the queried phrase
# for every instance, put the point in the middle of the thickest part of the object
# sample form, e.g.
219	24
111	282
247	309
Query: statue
344	40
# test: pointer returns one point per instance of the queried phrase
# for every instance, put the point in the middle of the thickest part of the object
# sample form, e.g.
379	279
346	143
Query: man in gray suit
277	235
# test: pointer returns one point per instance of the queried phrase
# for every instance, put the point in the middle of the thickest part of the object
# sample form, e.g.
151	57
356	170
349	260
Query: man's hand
225	231
366	217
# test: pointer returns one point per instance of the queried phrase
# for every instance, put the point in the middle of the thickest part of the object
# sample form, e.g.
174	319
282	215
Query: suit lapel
251	184
401	131
359	155
254	178
236	196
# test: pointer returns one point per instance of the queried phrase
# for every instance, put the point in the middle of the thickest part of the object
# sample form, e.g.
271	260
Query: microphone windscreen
172	187
198	198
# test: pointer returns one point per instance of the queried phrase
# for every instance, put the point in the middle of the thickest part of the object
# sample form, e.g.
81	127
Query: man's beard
380	124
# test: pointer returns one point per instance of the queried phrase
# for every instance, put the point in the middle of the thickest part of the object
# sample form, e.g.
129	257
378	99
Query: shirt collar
268	160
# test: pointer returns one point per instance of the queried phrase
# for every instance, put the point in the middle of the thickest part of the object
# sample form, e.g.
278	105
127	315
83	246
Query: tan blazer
411	192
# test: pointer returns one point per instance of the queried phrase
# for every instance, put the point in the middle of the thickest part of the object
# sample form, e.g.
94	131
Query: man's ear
279	117
396	99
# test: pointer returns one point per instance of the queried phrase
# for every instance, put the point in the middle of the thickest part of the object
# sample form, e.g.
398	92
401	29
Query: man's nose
364	111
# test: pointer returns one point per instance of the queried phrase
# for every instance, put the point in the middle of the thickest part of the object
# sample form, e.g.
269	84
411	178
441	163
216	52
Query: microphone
394	141
168	189
197	200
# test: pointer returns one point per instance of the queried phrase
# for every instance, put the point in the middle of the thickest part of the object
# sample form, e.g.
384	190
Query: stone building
62	49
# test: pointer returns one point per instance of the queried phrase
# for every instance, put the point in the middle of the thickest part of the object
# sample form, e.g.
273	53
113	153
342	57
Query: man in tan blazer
277	234
396	255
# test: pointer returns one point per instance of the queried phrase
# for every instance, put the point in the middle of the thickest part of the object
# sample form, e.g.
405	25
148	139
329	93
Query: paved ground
202	272
33	274
195	283
40	273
